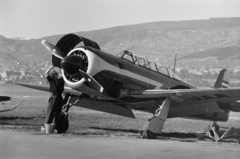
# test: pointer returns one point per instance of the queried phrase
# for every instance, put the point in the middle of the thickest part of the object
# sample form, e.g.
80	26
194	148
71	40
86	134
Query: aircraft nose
71	64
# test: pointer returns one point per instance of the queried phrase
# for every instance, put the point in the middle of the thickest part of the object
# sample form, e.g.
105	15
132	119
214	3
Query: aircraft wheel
63	124
150	135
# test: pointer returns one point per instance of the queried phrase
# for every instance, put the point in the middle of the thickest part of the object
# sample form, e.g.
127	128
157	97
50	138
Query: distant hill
218	53
197	42
223	57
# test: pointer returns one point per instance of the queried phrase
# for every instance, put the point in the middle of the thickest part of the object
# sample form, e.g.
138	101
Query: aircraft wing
67	90
113	107
7	110
190	96
4	98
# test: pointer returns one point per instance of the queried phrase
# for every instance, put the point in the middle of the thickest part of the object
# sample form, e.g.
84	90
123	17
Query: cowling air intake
67	43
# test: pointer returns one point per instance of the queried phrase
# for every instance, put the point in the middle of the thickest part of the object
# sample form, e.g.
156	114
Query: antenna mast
175	60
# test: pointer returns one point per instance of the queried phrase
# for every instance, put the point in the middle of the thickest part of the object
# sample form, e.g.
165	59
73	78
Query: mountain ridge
158	41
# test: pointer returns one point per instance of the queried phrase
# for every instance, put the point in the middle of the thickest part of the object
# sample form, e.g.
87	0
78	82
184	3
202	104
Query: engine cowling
83	58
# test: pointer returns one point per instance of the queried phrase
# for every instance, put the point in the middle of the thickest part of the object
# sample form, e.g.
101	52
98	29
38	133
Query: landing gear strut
63	122
155	124
216	126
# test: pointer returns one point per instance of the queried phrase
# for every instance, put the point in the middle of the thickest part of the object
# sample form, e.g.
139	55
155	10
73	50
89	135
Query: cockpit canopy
143	62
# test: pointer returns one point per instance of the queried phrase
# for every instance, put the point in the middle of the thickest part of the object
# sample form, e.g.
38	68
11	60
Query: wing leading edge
46	88
105	106
189	96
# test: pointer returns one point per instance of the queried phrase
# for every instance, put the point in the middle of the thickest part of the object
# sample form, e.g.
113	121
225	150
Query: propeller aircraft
119	84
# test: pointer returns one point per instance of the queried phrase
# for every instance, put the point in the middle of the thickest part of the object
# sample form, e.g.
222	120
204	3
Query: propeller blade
53	49
91	81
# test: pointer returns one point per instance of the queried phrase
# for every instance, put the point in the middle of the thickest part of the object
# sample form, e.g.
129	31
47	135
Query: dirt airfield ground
29	116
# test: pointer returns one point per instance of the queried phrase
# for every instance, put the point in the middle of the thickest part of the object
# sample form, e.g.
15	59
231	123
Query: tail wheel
63	124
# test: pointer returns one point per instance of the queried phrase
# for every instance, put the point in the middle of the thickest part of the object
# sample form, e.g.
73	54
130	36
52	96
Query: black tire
151	135
63	124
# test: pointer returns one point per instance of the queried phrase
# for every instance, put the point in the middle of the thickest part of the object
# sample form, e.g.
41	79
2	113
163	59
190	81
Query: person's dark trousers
54	109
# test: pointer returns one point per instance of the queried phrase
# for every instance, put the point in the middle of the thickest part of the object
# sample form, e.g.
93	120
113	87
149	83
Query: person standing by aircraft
55	101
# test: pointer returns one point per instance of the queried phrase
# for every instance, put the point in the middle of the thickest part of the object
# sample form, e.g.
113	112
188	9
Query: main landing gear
155	124
63	122
213	131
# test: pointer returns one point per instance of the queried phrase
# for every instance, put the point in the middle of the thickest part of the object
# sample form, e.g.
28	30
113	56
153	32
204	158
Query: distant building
3	75
28	73
21	38
13	74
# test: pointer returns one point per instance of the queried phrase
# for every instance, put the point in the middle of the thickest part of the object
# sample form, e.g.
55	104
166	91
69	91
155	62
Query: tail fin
222	80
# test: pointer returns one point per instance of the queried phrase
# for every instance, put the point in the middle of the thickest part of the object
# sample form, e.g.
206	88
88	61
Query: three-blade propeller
72	65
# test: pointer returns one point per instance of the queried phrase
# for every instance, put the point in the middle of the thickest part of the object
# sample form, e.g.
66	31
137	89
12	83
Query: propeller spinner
72	64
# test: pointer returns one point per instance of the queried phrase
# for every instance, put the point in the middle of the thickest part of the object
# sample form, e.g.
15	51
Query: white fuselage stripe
106	66
225	85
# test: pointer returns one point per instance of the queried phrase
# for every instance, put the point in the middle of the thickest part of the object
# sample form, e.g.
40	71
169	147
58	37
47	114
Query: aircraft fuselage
117	73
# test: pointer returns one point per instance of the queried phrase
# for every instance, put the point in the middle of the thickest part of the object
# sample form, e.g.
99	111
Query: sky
40	18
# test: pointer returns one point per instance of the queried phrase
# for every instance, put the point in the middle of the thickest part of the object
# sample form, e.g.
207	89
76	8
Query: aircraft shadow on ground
13	121
14	124
17	118
167	135
182	137
117	130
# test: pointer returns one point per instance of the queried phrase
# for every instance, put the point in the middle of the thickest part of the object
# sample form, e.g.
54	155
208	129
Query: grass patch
30	115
